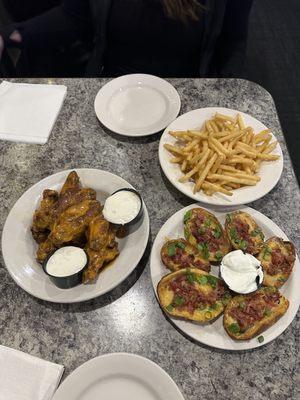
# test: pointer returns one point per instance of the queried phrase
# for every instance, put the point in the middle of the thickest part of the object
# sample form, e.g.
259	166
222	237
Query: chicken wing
101	247
69	199
73	222
44	250
98	233
42	218
72	182
97	260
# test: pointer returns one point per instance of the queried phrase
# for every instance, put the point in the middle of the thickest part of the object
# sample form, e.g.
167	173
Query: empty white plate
137	105
118	376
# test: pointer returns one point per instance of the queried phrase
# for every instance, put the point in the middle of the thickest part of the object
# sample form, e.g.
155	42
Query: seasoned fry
222	156
232	178
204	173
216	188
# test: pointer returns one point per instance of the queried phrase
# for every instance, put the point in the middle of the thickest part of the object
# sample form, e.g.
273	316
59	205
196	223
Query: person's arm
232	43
60	25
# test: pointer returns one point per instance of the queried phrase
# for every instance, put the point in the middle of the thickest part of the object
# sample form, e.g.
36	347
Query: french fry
242	181
262	136
240	160
270	148
175	160
240	122
173	149
224	117
216	188
187	176
204	173
220	147
268	157
243	176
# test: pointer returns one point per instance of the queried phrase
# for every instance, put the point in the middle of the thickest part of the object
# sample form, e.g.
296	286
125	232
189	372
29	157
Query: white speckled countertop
129	319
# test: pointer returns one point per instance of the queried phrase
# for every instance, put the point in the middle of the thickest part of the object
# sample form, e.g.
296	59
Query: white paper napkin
24	377
29	111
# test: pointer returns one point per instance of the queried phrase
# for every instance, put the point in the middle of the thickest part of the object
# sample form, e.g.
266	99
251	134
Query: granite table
128	319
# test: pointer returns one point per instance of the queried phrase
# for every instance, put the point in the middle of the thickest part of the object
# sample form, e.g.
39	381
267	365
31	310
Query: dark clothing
21	10
144	39
136	36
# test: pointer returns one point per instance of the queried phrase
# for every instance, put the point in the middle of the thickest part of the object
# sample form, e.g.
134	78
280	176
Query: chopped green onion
242	305
201	231
266	253
226	298
229	218
243	244
217	232
180	245
202	280
281	279
260	339
179	301
267	312
187	216
212	280
190	277
202	307
257	232
203	247
171	249
186	233
207	222
234	328
170	307
219	256
233	234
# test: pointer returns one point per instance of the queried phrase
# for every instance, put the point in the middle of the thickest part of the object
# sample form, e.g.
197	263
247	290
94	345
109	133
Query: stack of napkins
24	377
28	112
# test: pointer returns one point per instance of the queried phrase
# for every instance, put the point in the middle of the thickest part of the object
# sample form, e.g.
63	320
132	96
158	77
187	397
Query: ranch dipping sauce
241	272
122	207
66	261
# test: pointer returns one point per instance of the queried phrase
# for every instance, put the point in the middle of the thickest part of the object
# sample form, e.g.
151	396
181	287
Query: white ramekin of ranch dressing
122	207
242	272
65	266
66	261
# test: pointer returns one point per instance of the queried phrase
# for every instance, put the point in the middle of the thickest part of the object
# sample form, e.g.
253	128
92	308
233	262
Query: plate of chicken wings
66	209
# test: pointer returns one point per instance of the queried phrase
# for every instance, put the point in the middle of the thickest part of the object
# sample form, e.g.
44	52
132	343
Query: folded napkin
28	112
24	377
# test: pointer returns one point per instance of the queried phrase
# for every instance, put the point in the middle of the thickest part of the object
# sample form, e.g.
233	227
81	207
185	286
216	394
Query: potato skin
273	274
203	230
166	296
258	326
243	232
186	256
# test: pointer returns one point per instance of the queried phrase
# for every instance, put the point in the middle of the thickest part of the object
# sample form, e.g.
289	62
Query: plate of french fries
220	156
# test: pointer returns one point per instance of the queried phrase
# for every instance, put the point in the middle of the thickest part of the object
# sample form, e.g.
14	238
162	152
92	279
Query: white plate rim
64	173
236	345
146	132
253	194
93	365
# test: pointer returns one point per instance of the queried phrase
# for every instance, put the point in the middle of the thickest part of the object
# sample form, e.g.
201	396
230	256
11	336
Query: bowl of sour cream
65	266
242	272
123	207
